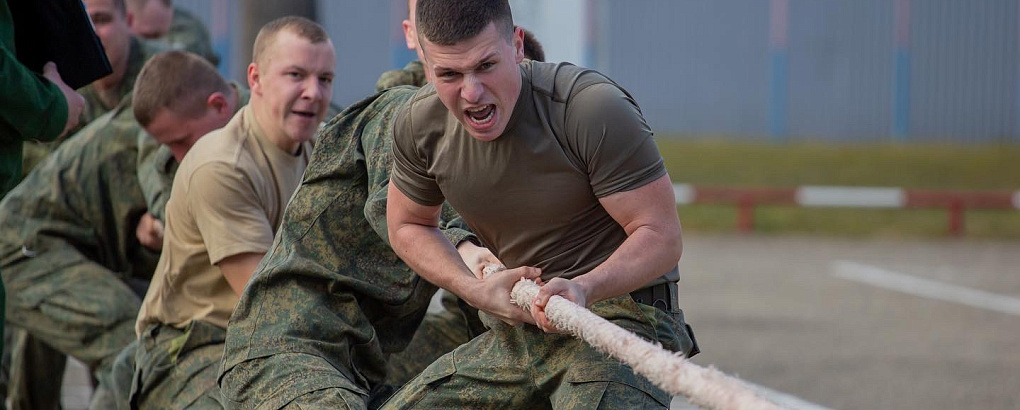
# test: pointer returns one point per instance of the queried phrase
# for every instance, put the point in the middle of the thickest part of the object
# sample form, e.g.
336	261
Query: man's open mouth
481	115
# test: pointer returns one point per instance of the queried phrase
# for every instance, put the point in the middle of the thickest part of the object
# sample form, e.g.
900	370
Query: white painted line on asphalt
683	193
851	196
899	282
784	400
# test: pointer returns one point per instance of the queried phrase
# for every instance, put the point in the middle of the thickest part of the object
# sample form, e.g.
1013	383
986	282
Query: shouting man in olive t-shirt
555	170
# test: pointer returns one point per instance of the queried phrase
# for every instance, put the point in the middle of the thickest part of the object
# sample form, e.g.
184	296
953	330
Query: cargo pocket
609	387
439	371
415	391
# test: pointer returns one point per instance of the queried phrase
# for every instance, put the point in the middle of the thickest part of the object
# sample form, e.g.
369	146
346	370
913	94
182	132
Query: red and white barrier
956	202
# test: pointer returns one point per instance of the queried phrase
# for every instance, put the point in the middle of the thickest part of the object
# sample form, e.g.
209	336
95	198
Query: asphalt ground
860	324
847	324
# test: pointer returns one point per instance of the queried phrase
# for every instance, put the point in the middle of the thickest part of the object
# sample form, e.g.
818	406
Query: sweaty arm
415	237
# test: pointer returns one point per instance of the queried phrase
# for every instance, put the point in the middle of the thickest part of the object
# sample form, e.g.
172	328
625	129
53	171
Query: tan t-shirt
532	195
228	198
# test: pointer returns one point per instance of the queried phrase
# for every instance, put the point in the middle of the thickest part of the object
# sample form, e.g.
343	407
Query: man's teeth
487	110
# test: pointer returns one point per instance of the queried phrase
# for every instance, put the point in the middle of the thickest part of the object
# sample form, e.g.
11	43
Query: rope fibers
705	387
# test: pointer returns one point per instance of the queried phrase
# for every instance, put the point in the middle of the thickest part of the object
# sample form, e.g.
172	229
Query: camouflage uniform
139	53
439	333
68	247
189	34
156	169
30	372
177	368
442	331
533	366
412	74
330	299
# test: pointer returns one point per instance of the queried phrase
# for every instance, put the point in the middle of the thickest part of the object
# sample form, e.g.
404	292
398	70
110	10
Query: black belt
662	296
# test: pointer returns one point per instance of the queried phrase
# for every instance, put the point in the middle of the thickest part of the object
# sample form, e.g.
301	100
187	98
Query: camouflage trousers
30	369
118	381
439	333
72	307
521	367
177	368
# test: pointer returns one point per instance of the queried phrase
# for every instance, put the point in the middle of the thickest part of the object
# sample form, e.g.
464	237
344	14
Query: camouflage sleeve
412	74
33	152
156	168
68	251
399	77
330	298
379	160
454	228
390	79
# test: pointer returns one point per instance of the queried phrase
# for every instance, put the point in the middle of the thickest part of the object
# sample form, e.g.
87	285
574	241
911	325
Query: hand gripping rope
705	387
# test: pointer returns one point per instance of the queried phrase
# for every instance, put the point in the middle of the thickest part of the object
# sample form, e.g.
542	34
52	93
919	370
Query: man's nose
312	89
472	89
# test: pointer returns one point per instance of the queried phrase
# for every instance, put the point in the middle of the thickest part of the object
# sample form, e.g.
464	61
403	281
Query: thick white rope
705	387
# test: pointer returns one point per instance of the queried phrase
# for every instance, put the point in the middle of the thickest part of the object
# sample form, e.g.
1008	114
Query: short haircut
448	22
532	48
119	6
302	27
175	80
138	4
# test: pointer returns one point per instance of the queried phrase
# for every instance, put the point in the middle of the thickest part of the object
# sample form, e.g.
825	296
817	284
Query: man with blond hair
226	204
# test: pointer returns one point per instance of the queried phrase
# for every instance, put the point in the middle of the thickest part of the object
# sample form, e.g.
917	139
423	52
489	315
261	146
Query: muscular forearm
427	252
415	237
646	254
653	245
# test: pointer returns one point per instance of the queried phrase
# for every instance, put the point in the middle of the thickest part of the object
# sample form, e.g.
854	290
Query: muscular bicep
237	269
611	137
402	210
410	168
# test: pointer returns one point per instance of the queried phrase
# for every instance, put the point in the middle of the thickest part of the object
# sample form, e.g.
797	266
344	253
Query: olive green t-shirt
532	195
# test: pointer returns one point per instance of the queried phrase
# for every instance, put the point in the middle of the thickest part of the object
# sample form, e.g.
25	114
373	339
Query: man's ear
518	43
253	78
218	103
410	37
